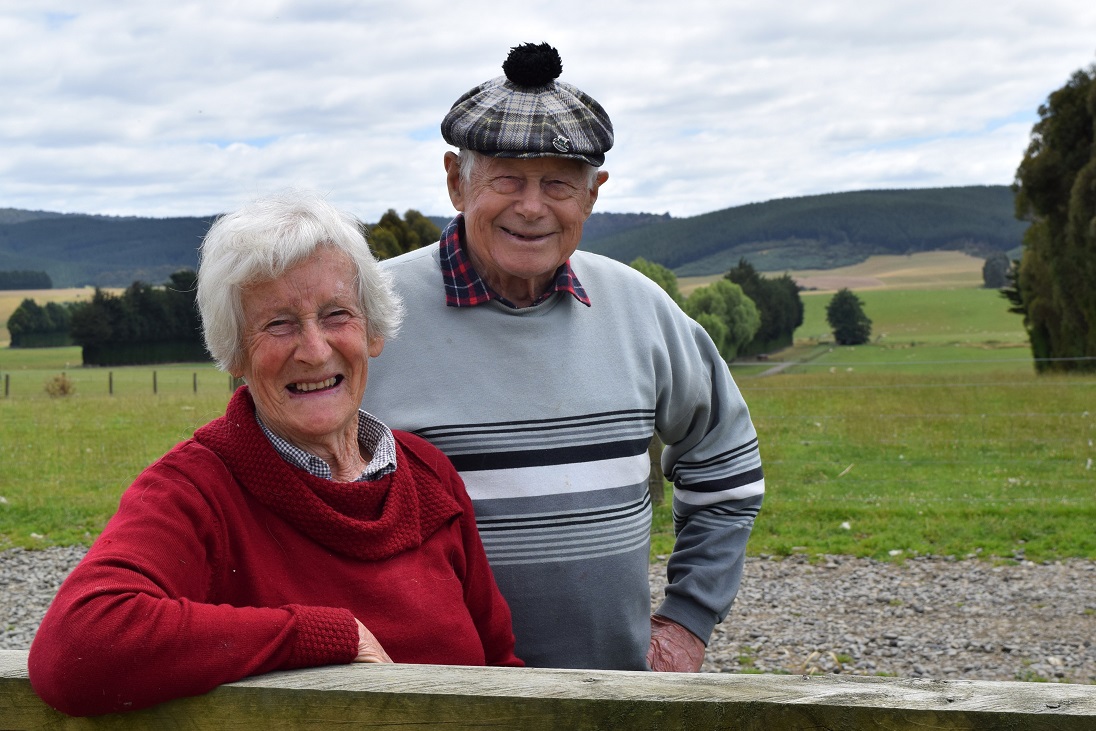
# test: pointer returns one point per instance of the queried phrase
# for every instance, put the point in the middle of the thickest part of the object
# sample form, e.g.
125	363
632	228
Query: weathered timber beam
421	696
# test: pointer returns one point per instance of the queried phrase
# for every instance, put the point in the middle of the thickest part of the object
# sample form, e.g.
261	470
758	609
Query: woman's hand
369	650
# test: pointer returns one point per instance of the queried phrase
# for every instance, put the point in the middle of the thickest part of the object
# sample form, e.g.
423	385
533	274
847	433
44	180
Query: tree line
22	279
744	312
34	326
148	324
392	235
144	324
811	232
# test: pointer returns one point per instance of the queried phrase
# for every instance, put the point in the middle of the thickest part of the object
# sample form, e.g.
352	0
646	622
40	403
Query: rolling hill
826	231
810	232
107	251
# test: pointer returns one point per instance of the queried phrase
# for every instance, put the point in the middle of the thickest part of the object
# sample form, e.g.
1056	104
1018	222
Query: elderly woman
294	531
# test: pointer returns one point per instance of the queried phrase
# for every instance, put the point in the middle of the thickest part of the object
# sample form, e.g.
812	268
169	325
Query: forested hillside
599	225
825	231
812	232
108	251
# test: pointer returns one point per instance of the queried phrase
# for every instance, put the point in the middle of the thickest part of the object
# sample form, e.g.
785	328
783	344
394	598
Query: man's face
523	218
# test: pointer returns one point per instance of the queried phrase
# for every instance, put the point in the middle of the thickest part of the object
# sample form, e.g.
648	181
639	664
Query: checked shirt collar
373	436
465	288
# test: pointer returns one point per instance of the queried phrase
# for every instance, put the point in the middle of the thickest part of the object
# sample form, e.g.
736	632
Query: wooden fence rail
420	697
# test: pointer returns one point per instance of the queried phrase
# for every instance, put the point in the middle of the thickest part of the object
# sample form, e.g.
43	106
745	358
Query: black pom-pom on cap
533	65
530	113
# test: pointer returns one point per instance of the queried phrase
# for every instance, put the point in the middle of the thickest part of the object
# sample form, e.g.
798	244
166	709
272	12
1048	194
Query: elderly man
542	372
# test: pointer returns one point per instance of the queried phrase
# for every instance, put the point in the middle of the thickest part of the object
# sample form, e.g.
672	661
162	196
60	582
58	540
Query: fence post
154	382
656	479
7	384
110	383
195	375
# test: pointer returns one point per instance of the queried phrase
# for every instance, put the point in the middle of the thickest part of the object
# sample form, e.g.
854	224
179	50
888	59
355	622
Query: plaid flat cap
527	113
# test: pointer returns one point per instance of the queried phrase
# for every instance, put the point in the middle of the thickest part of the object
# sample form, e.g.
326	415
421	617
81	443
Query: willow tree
1055	190
661	276
730	318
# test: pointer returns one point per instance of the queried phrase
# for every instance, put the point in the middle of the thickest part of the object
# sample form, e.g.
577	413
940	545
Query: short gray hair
264	238
469	158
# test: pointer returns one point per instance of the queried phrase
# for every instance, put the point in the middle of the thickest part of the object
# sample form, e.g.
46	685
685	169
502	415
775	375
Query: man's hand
674	649
369	650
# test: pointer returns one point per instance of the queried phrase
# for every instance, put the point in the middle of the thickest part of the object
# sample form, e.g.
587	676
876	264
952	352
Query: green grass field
25	372
936	438
933	462
904	317
956	330
67	460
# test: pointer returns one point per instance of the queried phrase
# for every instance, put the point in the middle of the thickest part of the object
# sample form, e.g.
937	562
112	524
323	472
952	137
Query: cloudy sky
156	108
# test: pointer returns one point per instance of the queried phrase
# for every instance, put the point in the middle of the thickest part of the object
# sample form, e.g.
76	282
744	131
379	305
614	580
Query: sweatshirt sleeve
135	624
712	459
489	611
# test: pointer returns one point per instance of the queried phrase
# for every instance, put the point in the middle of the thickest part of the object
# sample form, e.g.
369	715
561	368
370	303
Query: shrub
59	386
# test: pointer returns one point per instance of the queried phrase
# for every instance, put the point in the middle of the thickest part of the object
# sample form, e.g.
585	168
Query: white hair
259	242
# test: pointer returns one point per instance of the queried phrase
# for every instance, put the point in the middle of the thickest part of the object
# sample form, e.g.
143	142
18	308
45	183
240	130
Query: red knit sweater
224	561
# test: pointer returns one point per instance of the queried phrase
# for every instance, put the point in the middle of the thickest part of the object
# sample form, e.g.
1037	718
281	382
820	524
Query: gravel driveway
927	617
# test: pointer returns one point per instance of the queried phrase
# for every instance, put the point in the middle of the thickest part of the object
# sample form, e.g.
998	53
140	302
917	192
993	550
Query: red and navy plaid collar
465	288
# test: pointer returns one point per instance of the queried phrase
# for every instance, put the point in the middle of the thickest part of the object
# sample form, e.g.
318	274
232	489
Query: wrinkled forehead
534	167
325	274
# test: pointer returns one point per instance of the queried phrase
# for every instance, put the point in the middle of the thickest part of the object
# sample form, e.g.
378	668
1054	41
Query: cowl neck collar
370	520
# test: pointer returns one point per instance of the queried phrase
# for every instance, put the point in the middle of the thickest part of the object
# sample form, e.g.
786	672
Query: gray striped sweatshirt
546	412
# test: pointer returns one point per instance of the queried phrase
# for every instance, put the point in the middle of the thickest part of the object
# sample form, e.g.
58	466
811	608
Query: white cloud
188	108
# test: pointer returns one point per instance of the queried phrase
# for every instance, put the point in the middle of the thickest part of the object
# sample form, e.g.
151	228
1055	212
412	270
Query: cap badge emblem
561	143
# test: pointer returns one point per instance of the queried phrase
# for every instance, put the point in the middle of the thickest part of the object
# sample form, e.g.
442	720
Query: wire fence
92	382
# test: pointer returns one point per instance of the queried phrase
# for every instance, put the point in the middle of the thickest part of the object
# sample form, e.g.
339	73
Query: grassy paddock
866	464
904	317
25	371
923	270
858	463
166	379
891	465
958	330
66	461
51	359
937	438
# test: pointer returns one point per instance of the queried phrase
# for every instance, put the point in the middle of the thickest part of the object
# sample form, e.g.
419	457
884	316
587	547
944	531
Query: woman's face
306	350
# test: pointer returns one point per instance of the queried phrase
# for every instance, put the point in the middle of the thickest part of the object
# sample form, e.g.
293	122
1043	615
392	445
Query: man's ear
453	181
599	180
